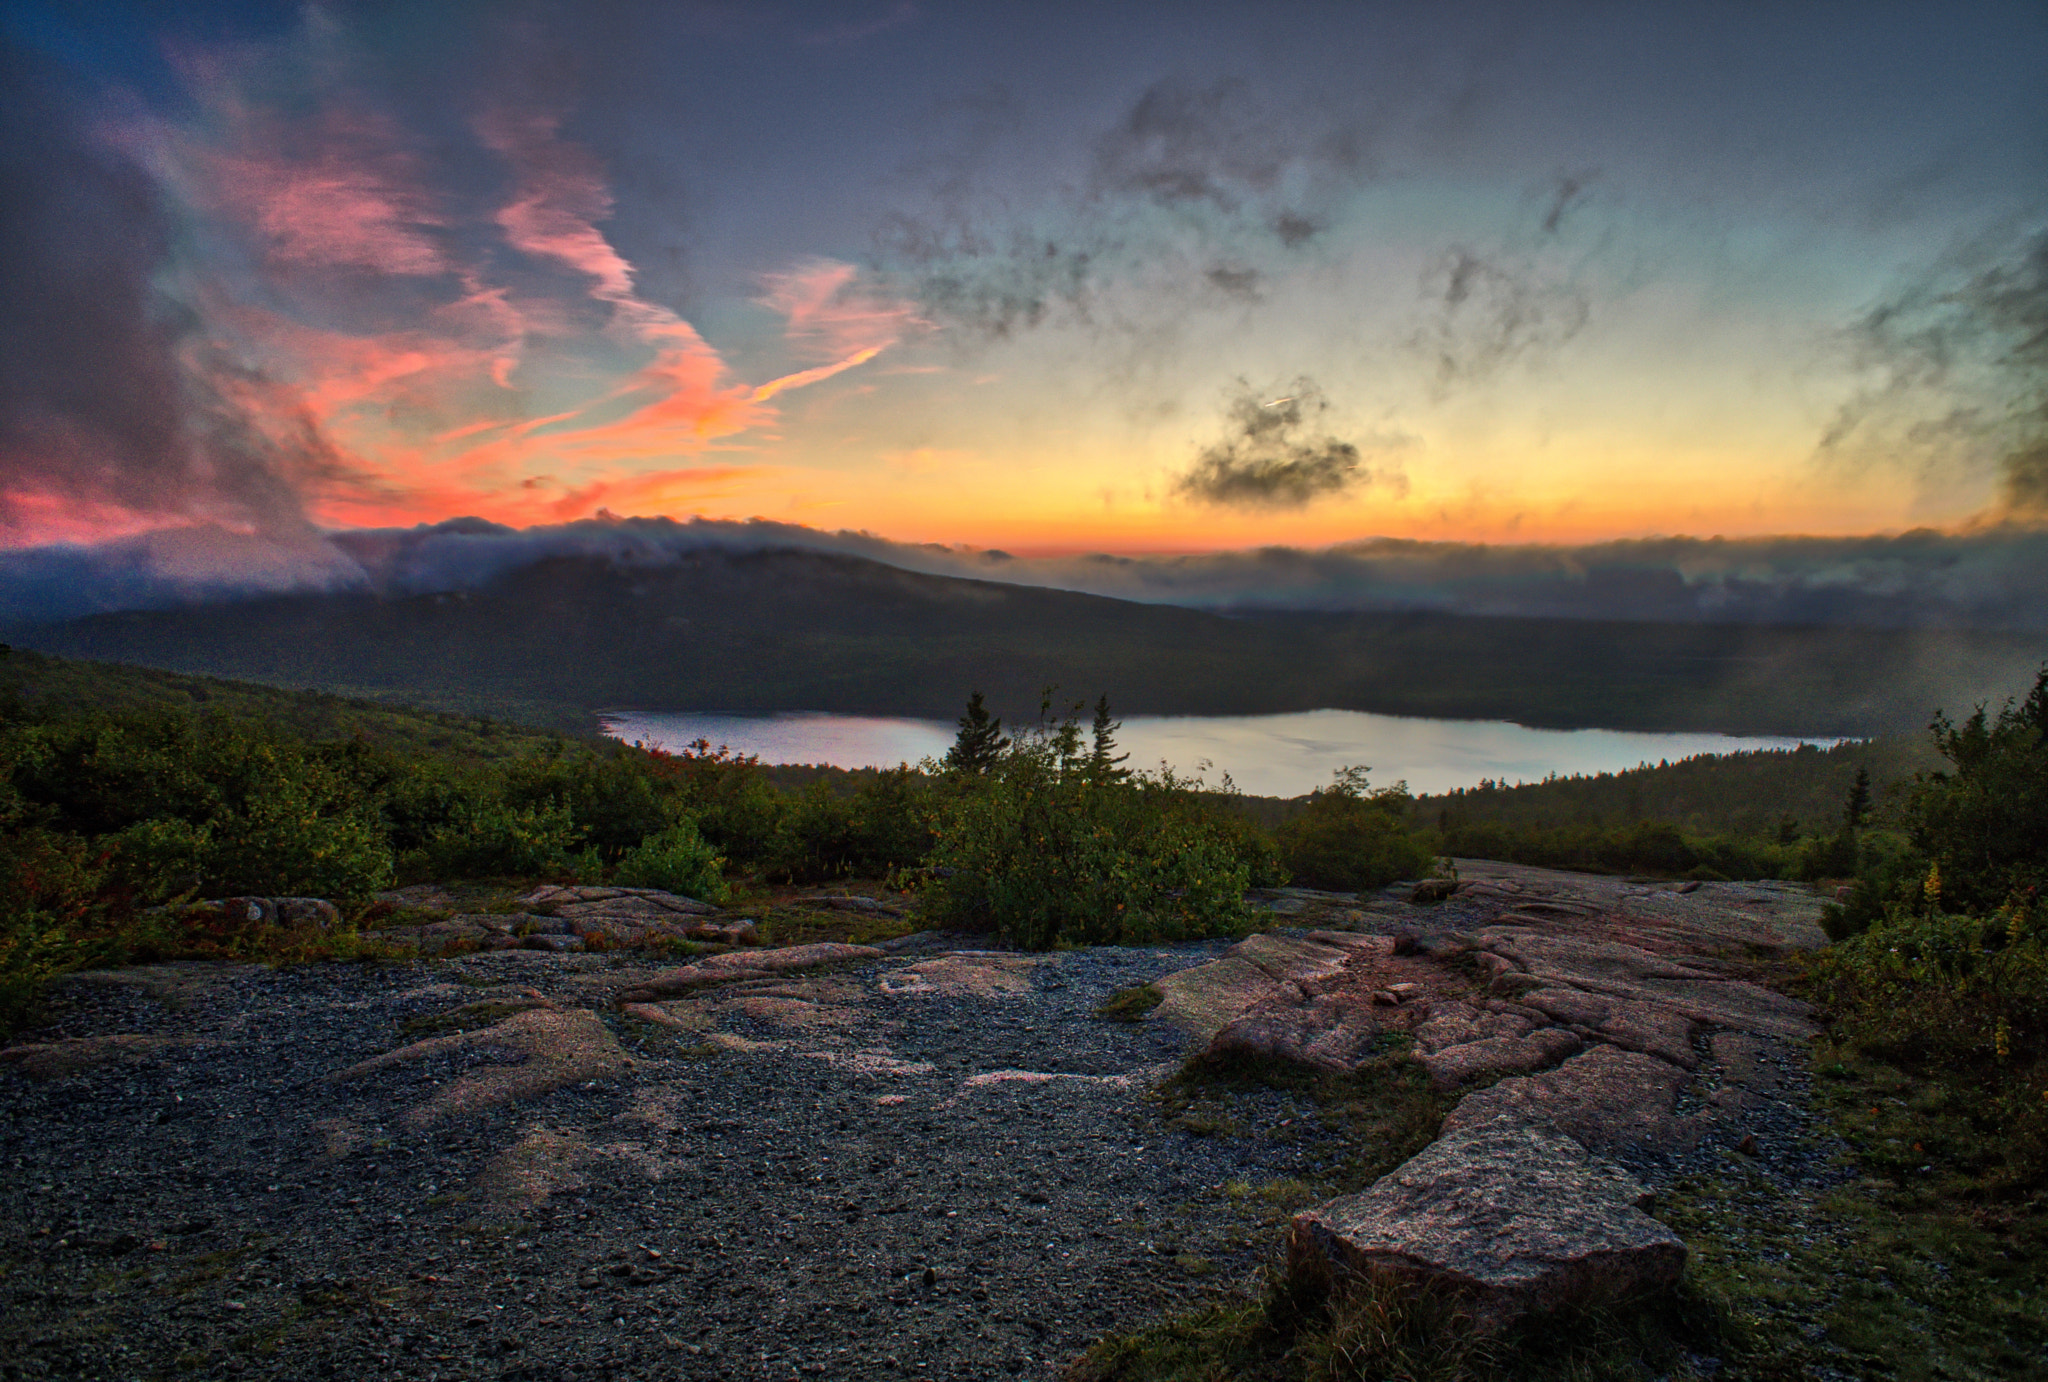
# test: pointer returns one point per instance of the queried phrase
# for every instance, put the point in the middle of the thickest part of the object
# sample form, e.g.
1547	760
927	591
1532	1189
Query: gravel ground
215	1210
883	1198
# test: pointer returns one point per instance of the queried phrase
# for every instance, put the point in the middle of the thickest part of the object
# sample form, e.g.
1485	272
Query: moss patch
1131	1004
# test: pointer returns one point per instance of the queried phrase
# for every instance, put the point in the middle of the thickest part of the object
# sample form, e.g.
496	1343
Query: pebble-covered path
864	1177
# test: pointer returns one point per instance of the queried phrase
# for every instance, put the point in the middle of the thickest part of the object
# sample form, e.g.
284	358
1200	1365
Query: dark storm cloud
1236	281
1485	312
1958	367
1274	457
108	393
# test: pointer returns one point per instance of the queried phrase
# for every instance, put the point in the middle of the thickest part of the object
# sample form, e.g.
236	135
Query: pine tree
1856	809
1103	760
981	740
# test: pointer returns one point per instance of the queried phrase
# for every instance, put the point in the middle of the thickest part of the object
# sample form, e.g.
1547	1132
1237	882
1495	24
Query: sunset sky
1132	278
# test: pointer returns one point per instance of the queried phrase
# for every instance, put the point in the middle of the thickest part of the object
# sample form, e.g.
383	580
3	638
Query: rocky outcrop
1259	970
1575	1012
530	1054
1508	1217
234	913
743	965
1606	1098
577	918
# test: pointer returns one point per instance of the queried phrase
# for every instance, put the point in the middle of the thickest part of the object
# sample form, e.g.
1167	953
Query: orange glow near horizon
396	329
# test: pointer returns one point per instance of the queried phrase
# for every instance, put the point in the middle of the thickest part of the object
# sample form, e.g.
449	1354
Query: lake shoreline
1278	755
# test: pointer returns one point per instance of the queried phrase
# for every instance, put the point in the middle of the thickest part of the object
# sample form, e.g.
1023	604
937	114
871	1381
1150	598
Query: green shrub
676	860
1350	838
732	801
51	912
616	797
491	839
1985	819
1961	999
1046	853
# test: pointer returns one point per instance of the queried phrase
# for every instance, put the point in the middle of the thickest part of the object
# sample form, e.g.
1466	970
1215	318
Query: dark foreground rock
1581	1010
846	1161
1506	1217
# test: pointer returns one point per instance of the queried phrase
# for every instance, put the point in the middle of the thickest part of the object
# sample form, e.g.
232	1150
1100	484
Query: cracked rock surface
1579	1012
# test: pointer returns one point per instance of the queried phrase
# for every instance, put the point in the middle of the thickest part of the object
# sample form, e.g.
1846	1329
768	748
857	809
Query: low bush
1047	849
1961	1001
1352	838
676	860
494	839
1940	966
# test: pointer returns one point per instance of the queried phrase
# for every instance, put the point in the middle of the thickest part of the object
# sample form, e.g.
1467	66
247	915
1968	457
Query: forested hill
1760	794
555	642
36	686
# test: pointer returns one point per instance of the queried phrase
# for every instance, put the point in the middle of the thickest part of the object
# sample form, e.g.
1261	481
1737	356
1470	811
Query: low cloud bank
1988	578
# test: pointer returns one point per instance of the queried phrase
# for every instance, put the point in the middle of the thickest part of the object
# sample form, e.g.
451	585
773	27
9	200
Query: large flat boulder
1205	999
1507	1217
1604	1097
1330	1031
1617	970
1501	1055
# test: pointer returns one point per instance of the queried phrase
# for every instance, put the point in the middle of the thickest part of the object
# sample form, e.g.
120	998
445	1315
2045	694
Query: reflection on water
1266	755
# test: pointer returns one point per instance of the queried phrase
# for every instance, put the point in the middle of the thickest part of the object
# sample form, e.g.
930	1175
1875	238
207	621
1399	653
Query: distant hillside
52	685
1746	794
556	641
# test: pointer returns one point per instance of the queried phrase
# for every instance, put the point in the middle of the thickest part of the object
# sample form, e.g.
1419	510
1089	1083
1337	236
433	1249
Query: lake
1265	755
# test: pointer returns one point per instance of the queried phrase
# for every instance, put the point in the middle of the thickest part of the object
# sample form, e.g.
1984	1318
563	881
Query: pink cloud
343	193
560	197
832	314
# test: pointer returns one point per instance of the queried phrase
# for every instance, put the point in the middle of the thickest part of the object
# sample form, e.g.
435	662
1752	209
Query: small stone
931	1276
1747	1146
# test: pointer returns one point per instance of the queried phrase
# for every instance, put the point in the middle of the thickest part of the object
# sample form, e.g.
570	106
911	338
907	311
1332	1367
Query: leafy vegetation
1052	844
1351	837
1940	971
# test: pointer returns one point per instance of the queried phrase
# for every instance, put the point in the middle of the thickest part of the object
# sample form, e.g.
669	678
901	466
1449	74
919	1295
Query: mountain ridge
558	640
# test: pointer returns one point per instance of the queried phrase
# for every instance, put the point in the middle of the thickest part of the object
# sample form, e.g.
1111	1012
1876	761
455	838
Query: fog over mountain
1986	578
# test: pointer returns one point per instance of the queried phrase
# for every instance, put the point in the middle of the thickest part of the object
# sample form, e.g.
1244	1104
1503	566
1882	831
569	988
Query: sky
1052	280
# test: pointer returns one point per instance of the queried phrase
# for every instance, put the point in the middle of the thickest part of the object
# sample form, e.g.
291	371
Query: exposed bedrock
1570	1020
1508	1217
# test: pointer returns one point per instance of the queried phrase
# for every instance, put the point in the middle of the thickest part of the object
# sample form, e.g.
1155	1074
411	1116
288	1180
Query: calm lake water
1266	755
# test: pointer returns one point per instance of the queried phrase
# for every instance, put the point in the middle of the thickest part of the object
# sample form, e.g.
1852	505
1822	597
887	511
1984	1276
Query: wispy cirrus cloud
406	330
833	313
339	191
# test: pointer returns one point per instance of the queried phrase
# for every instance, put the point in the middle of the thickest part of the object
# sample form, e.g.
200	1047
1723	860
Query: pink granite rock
1509	1218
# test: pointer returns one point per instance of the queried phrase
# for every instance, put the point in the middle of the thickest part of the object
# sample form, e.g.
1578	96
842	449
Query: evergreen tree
981	740
1103	759
1856	809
